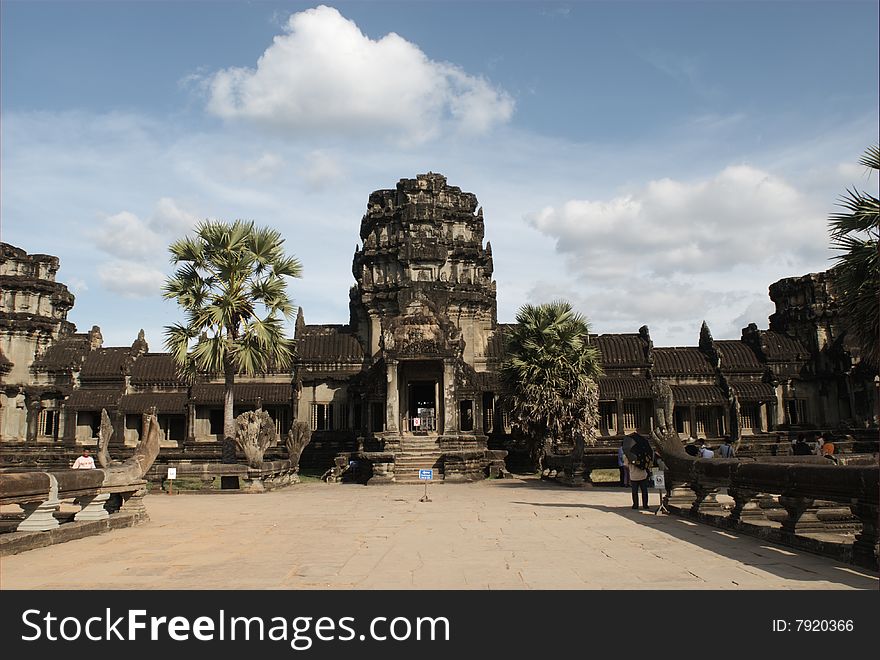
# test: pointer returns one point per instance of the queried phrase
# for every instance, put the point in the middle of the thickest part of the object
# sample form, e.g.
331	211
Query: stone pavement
510	534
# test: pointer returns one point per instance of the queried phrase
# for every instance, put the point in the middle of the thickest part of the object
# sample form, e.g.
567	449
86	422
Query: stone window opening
749	417
88	422
608	418
377	415
321	417
796	411
48	423
466	414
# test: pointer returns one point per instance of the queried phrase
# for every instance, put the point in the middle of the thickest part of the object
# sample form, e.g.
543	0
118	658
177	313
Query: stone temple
413	373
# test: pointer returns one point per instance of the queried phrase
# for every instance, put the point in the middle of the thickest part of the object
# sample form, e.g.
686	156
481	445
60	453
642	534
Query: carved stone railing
104	502
233	476
809	501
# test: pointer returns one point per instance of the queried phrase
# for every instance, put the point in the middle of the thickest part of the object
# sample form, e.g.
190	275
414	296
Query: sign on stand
659	477
426	476
172	475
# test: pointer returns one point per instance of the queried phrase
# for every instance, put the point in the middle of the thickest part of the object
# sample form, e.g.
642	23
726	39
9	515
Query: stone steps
416	453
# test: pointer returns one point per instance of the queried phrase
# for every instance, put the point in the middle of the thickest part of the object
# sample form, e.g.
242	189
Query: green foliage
230	282
549	375
855	233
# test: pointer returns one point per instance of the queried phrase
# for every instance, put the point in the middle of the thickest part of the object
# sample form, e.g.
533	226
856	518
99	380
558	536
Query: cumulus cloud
741	216
135	244
131	280
325	75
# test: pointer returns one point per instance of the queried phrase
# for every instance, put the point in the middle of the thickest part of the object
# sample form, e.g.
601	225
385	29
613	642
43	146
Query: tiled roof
328	343
154	368
610	389
780	347
105	363
737	356
680	361
93	399
698	395
65	354
164	402
624	350
212	393
753	391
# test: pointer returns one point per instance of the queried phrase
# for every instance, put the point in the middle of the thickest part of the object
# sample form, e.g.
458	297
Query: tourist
801	448
691	448
726	450
774	448
638	479
623	467
827	447
84	462
705	450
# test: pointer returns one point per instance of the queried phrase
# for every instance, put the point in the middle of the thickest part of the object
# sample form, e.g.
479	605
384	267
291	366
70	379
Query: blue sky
655	163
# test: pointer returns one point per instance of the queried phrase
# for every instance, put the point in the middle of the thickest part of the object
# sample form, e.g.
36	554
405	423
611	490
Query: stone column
92	507
450	423
40	515
801	515
619	404
866	546
392	402
746	508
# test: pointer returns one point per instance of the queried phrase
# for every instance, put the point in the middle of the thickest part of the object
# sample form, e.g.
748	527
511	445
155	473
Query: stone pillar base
92	507
39	516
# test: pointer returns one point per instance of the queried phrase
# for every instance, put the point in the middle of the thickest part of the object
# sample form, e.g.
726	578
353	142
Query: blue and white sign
427	475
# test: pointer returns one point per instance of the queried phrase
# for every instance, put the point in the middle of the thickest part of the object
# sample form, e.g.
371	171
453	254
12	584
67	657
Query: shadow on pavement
751	551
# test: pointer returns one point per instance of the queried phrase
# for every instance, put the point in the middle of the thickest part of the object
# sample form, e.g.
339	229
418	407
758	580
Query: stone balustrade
814	505
103	506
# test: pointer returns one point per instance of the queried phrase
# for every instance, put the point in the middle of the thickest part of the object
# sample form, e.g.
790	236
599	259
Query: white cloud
741	216
325	75
170	218
320	169
131	280
126	236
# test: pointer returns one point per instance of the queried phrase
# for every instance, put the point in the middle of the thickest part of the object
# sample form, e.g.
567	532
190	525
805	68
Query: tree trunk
228	401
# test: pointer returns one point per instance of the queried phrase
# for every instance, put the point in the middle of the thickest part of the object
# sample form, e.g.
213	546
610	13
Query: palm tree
230	283
855	232
549	375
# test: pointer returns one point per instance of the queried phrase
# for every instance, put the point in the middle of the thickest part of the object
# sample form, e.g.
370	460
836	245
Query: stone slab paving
510	534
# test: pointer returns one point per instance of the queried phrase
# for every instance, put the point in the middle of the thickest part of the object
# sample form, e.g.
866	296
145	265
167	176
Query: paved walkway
510	534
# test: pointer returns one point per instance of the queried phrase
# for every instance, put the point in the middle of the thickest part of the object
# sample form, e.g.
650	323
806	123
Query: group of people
699	448
823	446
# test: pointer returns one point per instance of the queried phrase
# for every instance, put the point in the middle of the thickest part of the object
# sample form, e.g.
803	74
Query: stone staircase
416	453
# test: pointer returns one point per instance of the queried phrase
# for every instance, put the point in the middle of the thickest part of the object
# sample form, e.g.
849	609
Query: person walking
623	467
638	479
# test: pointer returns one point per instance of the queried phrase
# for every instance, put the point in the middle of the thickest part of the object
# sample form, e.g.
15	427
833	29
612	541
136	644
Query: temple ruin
413	373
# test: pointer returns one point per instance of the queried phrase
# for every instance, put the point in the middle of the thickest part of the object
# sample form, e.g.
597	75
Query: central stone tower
424	309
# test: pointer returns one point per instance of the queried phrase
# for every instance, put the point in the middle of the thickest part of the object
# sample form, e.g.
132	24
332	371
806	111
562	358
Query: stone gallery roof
163	402
782	348
212	393
753	391
106	363
698	395
93	399
737	356
621	351
68	353
681	361
154	368
611	389
328	343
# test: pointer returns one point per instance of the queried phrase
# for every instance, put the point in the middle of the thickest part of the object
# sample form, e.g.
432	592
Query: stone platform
496	534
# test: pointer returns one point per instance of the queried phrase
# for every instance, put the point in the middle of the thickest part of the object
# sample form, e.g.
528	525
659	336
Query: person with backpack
726	450
638	477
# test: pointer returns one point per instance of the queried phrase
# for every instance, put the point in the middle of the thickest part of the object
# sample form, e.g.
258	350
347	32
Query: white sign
417	421
172	473
426	475
659	479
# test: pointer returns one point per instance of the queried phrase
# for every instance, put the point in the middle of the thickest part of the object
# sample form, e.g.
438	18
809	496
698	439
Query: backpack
643	461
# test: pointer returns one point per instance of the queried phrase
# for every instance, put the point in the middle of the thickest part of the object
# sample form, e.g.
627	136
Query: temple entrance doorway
422	393
423	406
